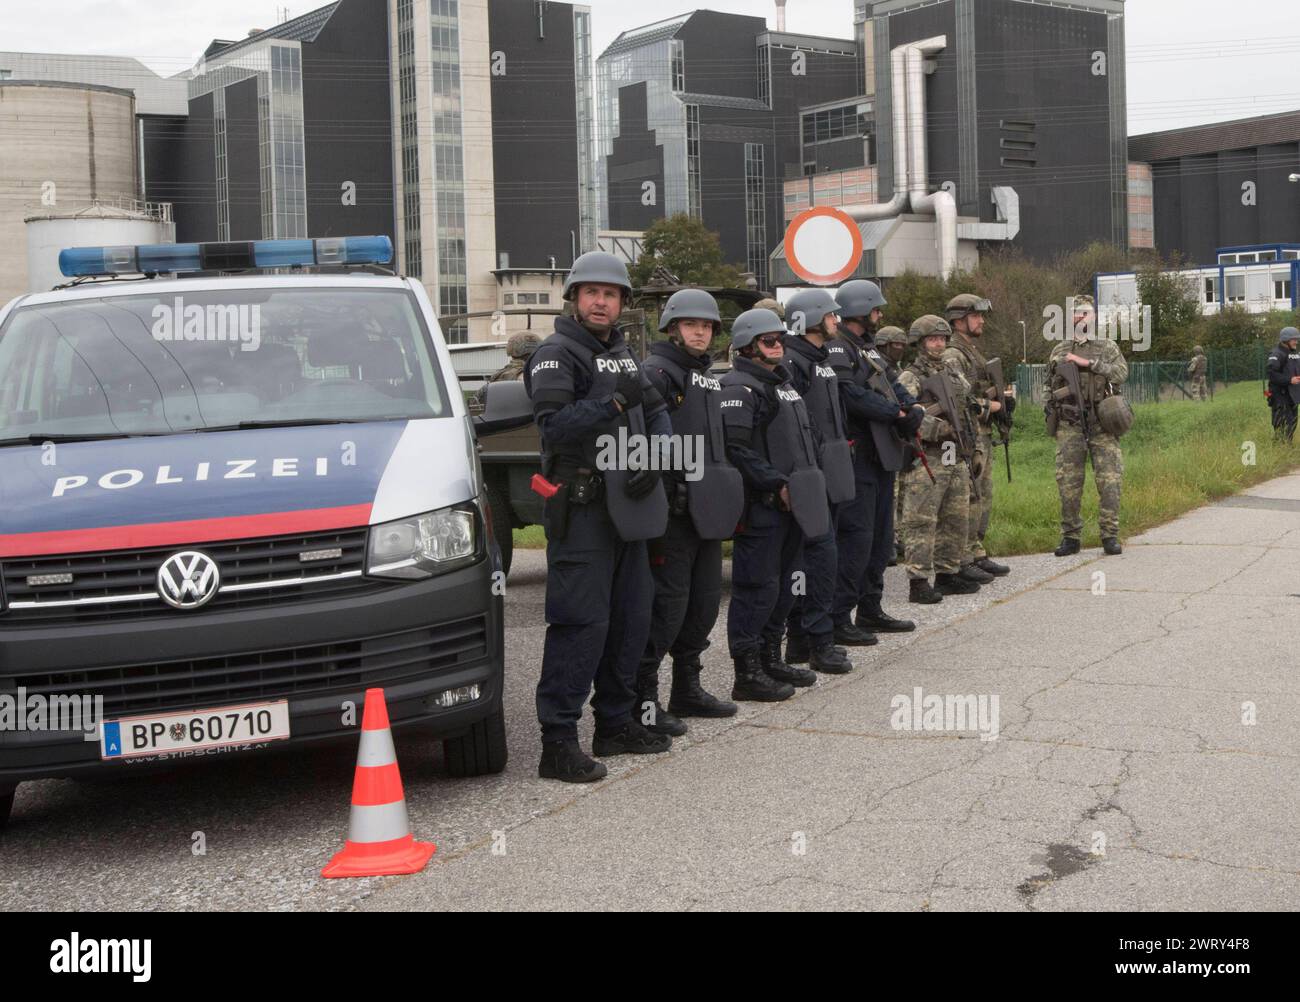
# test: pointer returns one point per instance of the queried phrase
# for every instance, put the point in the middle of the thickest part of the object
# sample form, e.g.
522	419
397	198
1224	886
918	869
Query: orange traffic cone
379	835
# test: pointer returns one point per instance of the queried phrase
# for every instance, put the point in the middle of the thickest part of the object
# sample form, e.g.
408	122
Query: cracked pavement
1147	758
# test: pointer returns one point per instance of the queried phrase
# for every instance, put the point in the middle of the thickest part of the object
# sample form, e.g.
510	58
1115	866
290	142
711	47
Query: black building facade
1029	95
703	114
1223	185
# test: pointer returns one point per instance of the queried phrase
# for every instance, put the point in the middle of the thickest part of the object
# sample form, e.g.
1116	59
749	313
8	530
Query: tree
1175	311
688	249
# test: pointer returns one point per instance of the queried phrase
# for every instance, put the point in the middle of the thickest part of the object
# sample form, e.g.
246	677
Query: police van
232	503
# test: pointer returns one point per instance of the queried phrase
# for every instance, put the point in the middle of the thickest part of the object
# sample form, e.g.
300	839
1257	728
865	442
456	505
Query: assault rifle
1002	418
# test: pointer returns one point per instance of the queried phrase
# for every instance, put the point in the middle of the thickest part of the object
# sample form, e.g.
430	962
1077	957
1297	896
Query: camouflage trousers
981	500
1072	451
935	519
1199	389
898	511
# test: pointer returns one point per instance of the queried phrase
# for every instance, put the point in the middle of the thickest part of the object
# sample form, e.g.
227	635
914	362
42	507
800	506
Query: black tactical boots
565	761
754	685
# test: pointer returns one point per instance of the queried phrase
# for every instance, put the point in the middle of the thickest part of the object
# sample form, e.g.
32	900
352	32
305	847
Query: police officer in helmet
587	391
812	319
882	418
771	442
1283	370
704	506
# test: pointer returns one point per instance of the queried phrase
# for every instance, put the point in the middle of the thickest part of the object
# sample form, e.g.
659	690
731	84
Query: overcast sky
1189	61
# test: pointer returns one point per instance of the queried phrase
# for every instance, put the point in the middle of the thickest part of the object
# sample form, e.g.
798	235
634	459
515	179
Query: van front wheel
499	503
6	805
481	751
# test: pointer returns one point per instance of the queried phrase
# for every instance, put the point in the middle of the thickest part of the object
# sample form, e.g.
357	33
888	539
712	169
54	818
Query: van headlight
424	545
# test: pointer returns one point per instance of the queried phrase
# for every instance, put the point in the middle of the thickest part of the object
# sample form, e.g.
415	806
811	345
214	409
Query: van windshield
193	361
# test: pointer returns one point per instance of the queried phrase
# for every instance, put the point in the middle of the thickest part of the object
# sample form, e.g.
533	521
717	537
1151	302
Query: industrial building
1222	185
704	113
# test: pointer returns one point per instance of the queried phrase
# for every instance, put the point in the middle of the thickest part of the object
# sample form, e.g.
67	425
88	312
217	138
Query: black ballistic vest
716	501
822	400
646	518
788	444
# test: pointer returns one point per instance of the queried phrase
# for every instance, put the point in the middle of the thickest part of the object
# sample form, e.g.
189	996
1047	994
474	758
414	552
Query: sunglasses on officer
769	340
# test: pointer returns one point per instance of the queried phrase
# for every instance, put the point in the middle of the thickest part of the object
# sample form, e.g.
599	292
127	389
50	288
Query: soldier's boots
920	592
989	566
565	761
754	685
689	698
655	718
797	651
848	635
1111	545
1068	548
827	659
971	572
954	584
774	667
873	617
633	739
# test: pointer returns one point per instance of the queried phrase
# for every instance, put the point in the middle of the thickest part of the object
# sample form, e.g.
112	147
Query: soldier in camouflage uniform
1196	372
892	343
1101	368
966	316
936	512
520	348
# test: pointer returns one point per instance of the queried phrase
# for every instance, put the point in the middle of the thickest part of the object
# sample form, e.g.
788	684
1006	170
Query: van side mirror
505	406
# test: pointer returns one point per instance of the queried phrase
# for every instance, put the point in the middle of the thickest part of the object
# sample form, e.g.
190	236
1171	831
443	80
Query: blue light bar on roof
82	262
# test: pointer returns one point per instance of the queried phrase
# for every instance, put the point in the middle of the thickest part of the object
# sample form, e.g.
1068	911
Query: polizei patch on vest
679	453
790	395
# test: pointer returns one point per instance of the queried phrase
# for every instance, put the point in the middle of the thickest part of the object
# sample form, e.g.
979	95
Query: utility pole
1024	342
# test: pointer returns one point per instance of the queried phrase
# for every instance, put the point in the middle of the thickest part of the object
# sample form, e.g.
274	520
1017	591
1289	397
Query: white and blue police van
231	501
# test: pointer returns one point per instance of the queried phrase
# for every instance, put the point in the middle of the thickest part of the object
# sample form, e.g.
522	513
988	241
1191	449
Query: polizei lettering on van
231	469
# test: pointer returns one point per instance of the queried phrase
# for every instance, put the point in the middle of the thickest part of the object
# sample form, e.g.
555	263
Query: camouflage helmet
966	304
891	335
1084	301
691	304
754	324
522	345
598	268
1198	350
771	304
924	326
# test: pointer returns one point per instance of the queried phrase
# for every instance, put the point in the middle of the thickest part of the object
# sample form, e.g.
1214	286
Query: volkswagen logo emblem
188	580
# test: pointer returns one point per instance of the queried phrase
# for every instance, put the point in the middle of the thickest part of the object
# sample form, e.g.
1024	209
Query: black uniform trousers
687	574
811	613
598	598
765	554
1284	416
865	538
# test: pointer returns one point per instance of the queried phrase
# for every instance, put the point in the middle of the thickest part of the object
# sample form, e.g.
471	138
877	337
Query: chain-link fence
1159	381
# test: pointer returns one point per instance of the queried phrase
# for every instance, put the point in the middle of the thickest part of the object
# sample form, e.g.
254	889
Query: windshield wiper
283	423
60	439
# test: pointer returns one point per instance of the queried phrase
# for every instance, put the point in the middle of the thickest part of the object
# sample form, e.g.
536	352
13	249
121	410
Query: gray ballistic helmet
522	345
813	305
598	268
859	297
691	304
754	324
1288	334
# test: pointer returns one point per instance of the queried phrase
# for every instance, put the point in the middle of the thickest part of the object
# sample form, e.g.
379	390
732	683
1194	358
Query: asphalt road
1124	773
